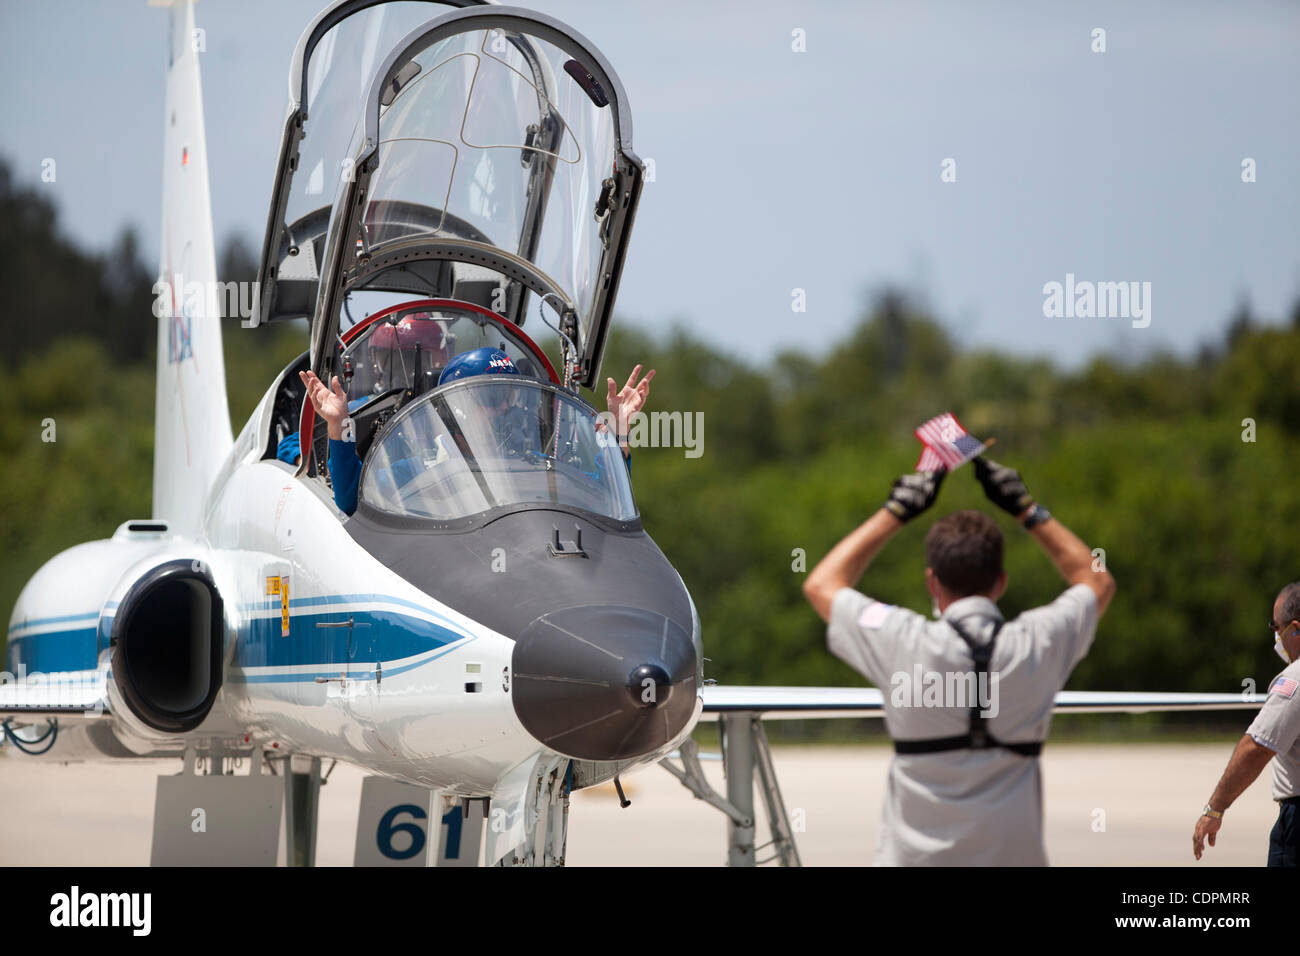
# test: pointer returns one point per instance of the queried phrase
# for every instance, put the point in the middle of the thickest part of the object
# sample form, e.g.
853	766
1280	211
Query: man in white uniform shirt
968	697
1273	735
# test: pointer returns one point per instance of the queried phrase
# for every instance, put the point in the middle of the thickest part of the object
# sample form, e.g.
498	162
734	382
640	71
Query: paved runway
1113	804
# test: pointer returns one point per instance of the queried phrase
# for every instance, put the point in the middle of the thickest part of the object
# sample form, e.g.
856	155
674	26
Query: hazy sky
818	170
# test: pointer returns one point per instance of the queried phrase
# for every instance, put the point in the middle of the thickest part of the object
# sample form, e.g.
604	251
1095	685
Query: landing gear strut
744	751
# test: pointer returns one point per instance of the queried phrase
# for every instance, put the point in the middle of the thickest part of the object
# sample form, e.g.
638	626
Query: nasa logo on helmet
484	361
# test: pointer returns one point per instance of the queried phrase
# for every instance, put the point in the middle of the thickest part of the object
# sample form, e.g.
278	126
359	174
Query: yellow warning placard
273	585
284	607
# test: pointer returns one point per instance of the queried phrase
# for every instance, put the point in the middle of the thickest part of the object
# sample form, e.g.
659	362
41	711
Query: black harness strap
978	737
932	745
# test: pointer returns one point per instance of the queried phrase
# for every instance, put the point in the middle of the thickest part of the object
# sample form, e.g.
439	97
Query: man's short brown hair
964	549
1290	610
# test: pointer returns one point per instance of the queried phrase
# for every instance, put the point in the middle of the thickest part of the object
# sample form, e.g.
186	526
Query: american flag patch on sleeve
874	614
1284	686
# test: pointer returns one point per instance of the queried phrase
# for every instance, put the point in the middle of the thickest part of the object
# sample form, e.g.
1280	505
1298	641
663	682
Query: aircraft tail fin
192	434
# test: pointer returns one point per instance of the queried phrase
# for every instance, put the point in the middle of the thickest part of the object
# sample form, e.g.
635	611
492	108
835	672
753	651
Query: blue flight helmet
504	415
484	361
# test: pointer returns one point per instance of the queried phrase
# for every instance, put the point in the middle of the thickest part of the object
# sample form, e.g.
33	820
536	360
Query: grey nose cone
604	683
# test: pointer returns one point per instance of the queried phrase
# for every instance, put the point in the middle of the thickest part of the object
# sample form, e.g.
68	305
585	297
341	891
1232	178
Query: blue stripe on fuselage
273	603
62	619
353	673
379	634
69	650
65	649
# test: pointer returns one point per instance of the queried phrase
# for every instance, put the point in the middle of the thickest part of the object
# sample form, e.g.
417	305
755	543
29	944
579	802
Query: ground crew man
1273	735
967	698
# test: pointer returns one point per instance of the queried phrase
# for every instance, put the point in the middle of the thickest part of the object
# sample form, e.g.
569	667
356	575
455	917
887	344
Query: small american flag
947	444
1285	686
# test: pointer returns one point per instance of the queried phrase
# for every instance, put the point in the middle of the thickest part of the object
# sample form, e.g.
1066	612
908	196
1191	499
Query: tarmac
1105	805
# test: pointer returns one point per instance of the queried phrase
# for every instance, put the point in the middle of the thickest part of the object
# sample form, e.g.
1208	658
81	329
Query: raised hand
914	493
331	405
625	402
1003	486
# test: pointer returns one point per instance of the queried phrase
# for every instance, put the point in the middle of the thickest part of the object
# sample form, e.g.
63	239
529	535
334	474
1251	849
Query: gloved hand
1003	486
914	493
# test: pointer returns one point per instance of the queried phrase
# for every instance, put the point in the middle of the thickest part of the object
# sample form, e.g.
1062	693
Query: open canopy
489	161
333	66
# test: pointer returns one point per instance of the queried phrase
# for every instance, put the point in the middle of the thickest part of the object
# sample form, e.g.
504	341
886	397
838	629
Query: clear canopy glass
496	442
339	73
491	138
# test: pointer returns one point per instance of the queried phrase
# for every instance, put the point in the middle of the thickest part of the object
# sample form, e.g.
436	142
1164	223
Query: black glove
1003	486
913	493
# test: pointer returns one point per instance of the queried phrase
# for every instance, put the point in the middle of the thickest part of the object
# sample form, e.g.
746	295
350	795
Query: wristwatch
1037	515
1216	814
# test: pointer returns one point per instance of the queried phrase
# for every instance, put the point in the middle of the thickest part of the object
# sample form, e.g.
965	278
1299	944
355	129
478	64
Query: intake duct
166	642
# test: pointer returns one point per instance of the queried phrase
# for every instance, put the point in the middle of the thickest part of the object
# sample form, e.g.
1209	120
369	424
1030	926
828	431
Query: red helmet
414	329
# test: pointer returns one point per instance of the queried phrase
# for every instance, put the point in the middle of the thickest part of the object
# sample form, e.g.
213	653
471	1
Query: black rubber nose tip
649	685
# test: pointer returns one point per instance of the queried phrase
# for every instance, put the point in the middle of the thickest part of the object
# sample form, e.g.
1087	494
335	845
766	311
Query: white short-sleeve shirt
963	807
1277	727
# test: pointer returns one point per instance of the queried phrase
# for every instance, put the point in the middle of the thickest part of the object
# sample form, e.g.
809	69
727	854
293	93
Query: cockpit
448	454
397	354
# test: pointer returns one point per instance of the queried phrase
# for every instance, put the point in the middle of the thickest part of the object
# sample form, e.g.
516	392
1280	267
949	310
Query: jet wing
803	703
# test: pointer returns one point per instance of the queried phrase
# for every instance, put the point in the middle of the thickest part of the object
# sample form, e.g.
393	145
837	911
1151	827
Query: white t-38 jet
492	628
